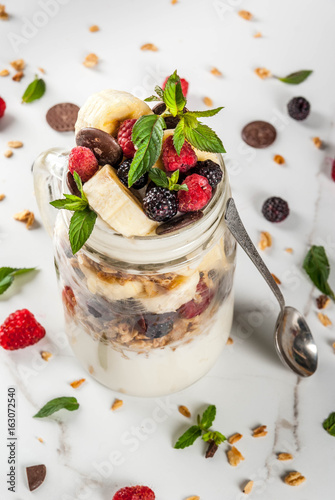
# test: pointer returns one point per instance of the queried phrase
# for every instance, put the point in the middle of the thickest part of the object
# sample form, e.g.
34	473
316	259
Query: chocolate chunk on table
62	117
259	134
36	475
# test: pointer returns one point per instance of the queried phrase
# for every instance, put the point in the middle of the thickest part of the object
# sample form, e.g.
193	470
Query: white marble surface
89	453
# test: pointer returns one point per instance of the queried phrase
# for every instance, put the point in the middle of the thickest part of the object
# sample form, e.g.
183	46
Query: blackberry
298	108
212	171
275	209
123	171
158	325
160	204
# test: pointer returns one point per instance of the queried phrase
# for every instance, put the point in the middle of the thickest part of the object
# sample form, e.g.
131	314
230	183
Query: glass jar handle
48	169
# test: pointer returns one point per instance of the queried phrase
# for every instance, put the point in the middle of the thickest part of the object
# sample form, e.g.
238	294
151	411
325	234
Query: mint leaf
35	90
173	95
159	91
81	227
329	424
317	267
159	177
208	417
7	275
202	137
297	77
152	98
179	135
174	177
57	404
209	112
79	184
71	202
215	436
188	438
147	136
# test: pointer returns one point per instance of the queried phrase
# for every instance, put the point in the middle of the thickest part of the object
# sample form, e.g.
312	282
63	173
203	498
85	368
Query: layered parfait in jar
144	259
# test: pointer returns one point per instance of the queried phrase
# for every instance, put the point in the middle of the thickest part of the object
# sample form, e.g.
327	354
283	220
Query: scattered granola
117	404
230	341
284	456
77	383
149	46
91	369
40	440
317	142
323	318
184	411
234	438
42	70
174	2
334	346
259	431
18	64
3	14
18	76
248	487
4	72
258	35
25	216
265	241
234	456
322	301
245	14
279	159
216	72
91	60
294	478
94	28
263	73
289	250
15	144
46	355
2	197
8	153
208	101
194	497
277	280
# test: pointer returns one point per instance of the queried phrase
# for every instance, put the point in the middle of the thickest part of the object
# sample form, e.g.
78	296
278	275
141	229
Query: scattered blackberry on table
160	204
124	138
123	171
275	209
298	108
209	169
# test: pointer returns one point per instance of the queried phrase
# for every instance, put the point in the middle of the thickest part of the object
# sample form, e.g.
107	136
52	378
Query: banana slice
116	204
108	108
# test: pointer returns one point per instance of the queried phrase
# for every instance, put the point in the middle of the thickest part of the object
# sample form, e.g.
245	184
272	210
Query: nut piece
91	60
117	404
184	411
323	318
248	487
77	383
208	101
2	197
294	478
15	144
18	64
4	72
234	438
322	301
174	3
3	14
265	241
317	142
289	250
94	28
149	46
216	72
234	456
194	497
40	440
277	280
263	73
284	456
8	153
91	369
25	216
42	70
18	76
334	346
258	35
279	159
259	431
230	341
245	15
46	355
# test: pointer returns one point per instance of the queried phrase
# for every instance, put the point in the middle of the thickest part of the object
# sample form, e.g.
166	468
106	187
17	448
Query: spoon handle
239	232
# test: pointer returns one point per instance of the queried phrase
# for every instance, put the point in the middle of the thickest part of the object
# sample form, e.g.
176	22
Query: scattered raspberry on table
20	330
135	493
2	107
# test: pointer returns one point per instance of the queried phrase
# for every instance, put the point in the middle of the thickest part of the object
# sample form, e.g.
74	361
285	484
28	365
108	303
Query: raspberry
275	209
298	108
212	171
199	304
172	161
20	330
124	138
123	172
83	161
69	299
135	493
333	170
160	204
198	195
2	107
183	83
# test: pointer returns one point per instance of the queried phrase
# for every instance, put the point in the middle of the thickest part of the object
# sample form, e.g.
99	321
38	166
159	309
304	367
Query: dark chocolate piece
259	134
179	222
212	449
36	475
62	117
104	146
71	184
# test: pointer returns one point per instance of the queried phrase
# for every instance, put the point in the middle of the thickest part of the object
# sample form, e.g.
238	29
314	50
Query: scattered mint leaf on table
215	436
329	424
7	275
66	403
296	77
208	417
188	438
317	267
34	91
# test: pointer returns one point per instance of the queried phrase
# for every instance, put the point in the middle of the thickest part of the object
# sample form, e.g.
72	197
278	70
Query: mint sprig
202	430
317	267
160	178
329	424
173	95
82	221
296	77
34	91
7	275
66	403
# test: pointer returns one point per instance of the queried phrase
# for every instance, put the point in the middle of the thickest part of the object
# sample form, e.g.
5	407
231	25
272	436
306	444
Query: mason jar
145	316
